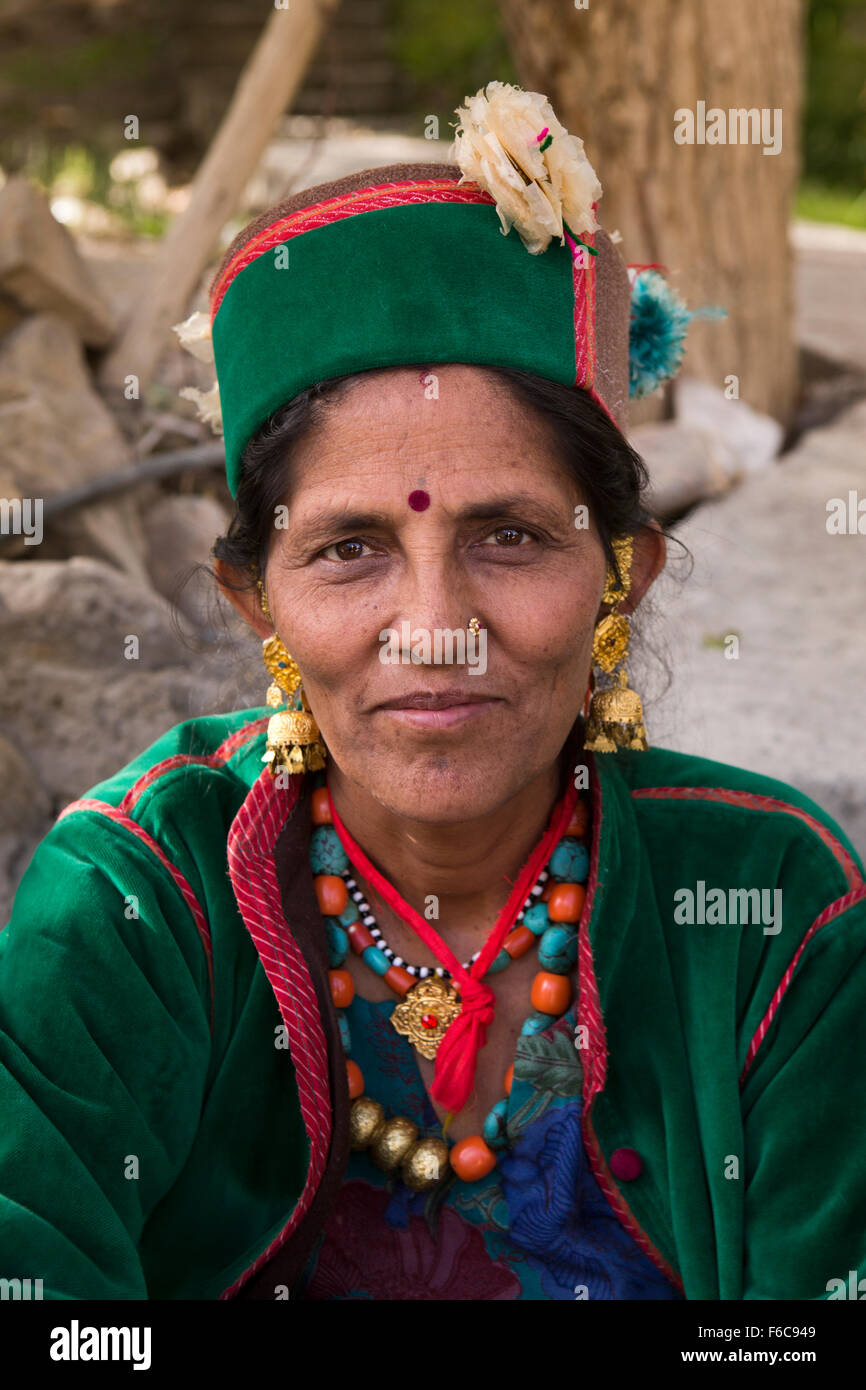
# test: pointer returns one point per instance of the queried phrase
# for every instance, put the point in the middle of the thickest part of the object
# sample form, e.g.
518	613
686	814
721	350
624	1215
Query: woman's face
497	541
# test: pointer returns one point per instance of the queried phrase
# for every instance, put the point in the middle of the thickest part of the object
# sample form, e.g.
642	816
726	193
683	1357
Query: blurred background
138	138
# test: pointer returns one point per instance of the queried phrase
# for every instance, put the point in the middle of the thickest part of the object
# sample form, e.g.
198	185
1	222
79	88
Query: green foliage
819	203
448	48
834	146
79	172
71	169
78	67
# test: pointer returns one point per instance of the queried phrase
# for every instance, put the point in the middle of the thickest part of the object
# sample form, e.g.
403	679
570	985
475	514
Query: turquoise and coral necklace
430	997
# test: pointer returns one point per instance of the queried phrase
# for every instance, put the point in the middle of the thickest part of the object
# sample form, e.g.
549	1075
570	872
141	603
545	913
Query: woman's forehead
462	413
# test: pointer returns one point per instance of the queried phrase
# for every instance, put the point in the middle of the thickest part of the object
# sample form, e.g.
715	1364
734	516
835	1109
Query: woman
436	983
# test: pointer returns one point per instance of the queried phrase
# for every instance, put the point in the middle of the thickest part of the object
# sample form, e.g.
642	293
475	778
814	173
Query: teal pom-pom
657	334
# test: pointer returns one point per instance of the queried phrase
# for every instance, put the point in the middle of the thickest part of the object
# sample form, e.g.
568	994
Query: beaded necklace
421	972
429	1002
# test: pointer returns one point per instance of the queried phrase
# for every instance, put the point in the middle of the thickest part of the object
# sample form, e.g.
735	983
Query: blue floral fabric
539	1227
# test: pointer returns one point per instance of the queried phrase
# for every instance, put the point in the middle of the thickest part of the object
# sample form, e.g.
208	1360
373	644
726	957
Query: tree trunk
716	215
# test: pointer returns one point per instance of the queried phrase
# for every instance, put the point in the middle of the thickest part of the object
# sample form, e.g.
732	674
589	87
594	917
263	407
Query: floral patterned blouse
538	1226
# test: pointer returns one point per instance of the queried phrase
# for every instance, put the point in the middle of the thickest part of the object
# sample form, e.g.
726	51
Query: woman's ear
650	553
242	593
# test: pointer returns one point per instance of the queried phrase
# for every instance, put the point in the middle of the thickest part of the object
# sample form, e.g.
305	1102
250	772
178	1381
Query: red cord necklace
457	1056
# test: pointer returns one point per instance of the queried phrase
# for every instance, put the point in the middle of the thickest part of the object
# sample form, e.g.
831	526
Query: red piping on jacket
114	813
216	759
251	841
835	909
595	1070
753	801
120	814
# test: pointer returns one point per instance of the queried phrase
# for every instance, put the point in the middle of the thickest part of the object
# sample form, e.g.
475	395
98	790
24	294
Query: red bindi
419	500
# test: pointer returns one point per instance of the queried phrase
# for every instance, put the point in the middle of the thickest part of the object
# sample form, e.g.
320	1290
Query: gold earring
263	600
294	741
615	712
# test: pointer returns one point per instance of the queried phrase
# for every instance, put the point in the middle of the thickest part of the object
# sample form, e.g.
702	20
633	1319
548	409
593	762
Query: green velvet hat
496	259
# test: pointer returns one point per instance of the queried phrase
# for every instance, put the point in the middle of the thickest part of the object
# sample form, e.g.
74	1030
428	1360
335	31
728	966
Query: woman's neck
469	867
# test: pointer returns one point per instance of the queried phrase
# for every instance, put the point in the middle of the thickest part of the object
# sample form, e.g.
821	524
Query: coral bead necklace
433	1001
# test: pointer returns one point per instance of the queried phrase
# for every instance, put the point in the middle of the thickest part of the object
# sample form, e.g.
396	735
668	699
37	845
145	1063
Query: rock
25	816
179	532
74	707
40	268
826	389
122	270
831	291
16	851
685	465
56	432
10	316
25	804
69	665
767	572
755	438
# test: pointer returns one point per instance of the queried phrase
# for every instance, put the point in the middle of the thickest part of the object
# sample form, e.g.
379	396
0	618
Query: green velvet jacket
173	1109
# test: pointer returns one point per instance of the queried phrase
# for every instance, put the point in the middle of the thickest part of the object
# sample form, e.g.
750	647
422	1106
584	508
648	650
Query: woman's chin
442	788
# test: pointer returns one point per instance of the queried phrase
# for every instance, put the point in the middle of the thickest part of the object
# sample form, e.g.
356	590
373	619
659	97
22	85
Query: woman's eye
509	536
345	550
353	548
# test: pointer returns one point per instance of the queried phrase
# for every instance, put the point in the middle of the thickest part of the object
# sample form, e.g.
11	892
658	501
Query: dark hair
611	476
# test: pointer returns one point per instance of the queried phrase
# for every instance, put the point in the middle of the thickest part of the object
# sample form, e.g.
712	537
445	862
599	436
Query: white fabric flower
536	190
207	403
195	335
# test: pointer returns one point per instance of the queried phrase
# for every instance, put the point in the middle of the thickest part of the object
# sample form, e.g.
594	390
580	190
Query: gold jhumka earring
294	741
615	712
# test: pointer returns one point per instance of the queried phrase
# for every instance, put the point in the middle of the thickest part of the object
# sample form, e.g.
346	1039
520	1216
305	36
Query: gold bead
292	726
610	642
425	1164
366	1118
393	1142
280	664
623	549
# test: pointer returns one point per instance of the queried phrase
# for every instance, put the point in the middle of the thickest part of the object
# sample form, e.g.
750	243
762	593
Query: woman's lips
446	718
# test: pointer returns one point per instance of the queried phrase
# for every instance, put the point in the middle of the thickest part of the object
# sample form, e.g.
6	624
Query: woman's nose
434	593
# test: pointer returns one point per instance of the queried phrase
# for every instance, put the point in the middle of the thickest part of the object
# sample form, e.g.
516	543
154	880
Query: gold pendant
426	1013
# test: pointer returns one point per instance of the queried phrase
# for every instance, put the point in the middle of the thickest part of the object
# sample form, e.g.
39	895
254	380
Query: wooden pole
266	87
